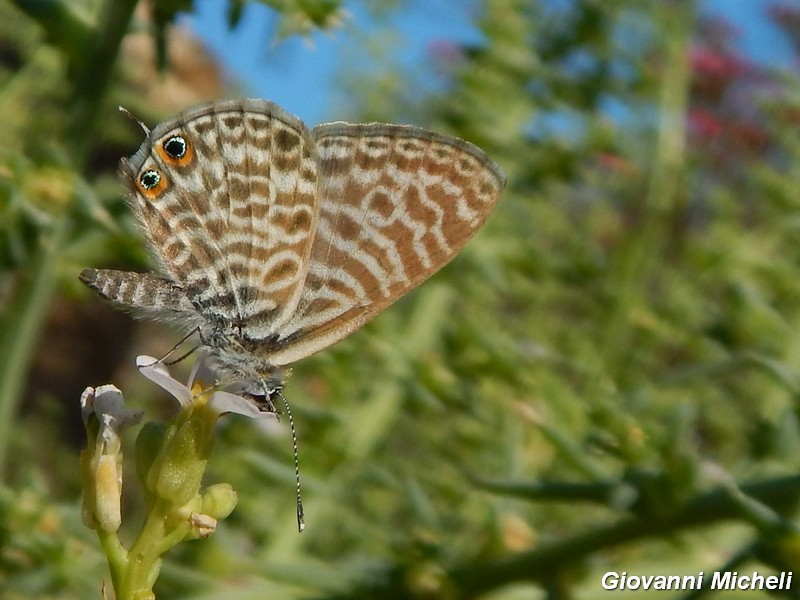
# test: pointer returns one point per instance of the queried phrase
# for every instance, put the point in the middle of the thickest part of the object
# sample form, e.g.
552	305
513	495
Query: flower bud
183	462
108	492
219	500
105	418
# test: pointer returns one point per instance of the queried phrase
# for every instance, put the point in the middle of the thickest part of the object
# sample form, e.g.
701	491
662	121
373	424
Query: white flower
220	401
105	403
105	417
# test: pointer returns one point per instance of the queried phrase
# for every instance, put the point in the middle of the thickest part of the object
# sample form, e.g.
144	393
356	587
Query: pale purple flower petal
158	373
220	401
225	402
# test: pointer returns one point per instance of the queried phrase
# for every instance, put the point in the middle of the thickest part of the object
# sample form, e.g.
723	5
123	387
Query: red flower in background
705	125
715	70
724	115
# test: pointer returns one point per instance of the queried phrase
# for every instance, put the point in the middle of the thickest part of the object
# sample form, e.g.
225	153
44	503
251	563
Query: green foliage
605	379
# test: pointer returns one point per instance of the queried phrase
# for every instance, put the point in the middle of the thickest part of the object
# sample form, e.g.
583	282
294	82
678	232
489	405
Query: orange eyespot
151	183
175	149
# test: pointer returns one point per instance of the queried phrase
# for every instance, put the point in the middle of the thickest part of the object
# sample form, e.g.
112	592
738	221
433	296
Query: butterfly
274	241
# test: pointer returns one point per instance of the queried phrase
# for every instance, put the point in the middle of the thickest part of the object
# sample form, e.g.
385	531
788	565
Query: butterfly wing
396	204
145	294
227	196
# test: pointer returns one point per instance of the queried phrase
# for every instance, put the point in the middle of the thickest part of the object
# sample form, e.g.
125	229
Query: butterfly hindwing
396	204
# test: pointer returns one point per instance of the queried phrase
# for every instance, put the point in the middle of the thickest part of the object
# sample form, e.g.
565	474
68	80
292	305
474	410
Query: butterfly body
275	241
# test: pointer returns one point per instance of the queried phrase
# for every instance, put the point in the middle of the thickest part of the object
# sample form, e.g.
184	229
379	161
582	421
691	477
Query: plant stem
94	74
22	334
144	554
637	260
116	555
93	71
541	563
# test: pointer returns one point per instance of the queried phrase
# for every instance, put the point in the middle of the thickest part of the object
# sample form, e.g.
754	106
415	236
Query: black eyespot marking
150	179
175	146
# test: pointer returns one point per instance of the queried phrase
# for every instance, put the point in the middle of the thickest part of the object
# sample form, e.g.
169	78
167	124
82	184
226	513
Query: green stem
638	260
145	553
116	555
540	564
93	74
572	452
62	24
547	561
22	334
92	53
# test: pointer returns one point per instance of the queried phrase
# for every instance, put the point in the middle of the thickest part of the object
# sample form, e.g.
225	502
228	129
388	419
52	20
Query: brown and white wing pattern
227	197
276	242
396	204
145	294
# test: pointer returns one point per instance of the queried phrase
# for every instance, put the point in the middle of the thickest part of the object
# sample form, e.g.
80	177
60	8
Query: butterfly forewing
396	204
234	224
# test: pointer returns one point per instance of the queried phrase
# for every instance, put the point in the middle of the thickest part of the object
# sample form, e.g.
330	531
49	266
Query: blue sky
300	76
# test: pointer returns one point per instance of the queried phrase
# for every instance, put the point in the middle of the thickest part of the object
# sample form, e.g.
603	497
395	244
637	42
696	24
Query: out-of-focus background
606	379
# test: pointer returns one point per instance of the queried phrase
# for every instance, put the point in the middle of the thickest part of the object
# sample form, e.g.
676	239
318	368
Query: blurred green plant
607	378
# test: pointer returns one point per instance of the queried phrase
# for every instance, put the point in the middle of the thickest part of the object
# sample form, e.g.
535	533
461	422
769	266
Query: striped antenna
301	522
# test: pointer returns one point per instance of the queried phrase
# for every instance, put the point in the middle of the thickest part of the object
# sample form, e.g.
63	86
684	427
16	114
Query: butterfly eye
151	183
176	150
